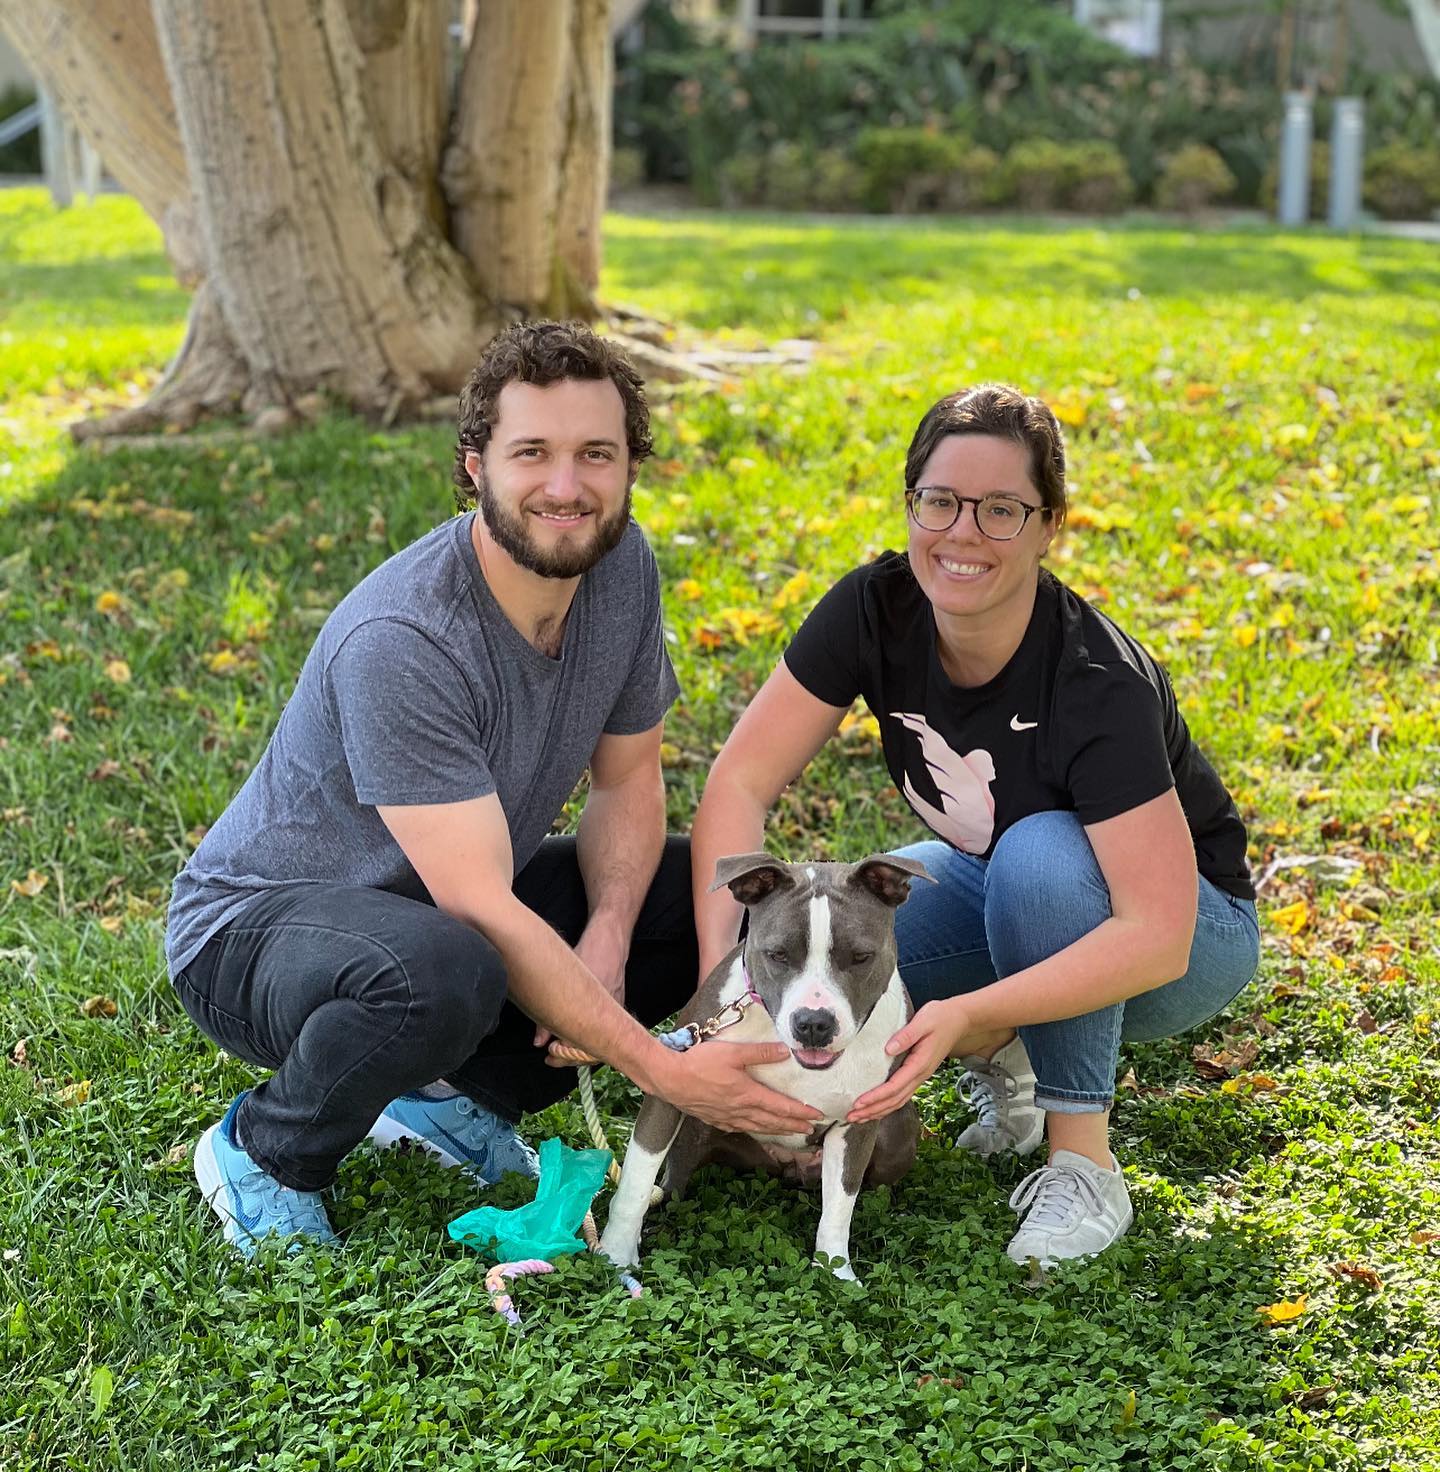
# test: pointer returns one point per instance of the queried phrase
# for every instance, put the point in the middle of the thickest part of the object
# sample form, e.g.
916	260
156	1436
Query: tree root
207	376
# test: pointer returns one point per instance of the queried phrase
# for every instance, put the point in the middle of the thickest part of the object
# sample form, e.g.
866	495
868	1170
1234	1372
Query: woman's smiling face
965	574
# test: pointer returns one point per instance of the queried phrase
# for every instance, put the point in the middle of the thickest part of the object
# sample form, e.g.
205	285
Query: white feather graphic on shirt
966	816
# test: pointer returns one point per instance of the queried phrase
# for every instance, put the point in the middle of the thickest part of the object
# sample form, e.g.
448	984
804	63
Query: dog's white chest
833	1091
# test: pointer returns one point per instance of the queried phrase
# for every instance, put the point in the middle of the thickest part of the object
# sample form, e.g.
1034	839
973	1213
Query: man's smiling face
553	484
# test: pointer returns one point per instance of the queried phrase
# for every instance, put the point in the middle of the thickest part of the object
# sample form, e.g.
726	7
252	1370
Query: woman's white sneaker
1070	1208
1001	1090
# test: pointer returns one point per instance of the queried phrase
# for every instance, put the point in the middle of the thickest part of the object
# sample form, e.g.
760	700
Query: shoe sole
386	1132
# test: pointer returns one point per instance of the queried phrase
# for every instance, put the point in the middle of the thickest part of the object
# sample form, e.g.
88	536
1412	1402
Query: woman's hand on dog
928	1039
710	1081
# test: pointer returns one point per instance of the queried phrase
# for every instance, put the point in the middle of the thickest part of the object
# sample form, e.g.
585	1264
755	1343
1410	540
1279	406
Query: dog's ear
750	877
888	876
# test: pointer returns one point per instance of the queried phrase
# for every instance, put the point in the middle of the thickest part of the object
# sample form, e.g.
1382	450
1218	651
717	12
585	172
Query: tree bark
292	151
502	172
526	174
329	271
585	153
405	46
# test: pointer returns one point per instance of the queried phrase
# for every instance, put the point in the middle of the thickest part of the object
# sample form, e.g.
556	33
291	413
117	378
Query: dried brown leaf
1357	1272
98	1006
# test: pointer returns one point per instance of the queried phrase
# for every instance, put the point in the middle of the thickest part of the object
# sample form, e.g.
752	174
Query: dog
818	965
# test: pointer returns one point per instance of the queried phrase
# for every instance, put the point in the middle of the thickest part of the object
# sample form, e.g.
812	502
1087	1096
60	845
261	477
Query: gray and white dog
818	964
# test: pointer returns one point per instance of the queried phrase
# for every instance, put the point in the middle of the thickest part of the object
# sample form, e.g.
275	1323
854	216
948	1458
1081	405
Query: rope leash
680	1039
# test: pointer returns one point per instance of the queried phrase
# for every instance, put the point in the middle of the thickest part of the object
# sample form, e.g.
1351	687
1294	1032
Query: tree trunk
291	149
328	269
527	171
585	156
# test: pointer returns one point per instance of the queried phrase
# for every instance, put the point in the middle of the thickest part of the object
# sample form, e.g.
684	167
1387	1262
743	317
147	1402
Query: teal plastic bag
546	1227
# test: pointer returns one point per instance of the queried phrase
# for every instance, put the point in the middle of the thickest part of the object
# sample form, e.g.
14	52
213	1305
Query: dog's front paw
839	1266
623	1251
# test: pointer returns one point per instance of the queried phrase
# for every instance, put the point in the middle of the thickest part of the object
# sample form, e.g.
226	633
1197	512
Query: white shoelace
988	1088
1054	1195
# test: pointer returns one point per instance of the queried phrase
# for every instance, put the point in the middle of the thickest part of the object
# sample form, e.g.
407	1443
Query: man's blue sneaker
460	1132
250	1203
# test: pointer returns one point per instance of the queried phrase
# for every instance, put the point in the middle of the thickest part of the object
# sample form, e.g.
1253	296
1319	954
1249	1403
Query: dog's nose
813	1028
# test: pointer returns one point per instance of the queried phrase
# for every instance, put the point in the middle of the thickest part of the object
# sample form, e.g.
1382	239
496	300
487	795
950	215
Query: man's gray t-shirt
420	690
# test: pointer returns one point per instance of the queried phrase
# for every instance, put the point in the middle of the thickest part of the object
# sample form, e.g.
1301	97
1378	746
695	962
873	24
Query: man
372	916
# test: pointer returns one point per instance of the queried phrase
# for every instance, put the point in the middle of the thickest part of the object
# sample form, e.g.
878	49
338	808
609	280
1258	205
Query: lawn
1256	462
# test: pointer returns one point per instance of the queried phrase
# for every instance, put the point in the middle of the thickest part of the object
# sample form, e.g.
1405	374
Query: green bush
742	180
1099	182
23	155
1194	178
1403	183
910	170
790	176
1036	173
1090	177
906	168
837	182
999	72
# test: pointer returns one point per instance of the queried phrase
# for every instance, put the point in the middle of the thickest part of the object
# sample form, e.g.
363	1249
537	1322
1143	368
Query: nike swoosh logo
1016	724
464	1151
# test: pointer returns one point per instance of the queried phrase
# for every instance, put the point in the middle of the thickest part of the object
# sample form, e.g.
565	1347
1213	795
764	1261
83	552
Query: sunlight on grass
1253	431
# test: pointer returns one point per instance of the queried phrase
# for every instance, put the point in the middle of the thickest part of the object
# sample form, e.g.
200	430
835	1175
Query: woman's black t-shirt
1080	720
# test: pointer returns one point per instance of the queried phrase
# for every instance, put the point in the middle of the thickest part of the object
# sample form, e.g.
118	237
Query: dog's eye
859	958
780	956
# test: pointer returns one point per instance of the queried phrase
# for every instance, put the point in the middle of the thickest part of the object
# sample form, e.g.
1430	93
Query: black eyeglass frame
961	502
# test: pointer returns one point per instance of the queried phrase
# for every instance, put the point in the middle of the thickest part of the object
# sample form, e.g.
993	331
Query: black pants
355	996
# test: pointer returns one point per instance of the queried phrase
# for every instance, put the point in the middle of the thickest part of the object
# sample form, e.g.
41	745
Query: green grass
1256	463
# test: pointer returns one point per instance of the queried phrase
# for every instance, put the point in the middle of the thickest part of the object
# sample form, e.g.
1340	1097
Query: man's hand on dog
930	1037
710	1082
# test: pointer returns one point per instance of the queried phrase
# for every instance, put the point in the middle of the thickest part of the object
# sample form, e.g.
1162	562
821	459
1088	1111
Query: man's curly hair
543	353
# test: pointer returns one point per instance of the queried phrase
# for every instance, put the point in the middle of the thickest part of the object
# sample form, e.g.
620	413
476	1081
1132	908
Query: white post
1293	195
54	152
1347	161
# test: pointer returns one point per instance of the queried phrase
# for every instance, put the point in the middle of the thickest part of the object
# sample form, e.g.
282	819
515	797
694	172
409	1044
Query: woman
1092	882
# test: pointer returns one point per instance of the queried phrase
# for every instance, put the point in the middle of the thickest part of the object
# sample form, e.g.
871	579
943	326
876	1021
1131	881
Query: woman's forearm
1117	960
730	820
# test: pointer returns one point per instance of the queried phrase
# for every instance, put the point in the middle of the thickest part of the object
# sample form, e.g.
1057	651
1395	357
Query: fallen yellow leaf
109	602
1282	1312
117	670
1249	1083
792	591
1292	919
31	885
689	590
73	1095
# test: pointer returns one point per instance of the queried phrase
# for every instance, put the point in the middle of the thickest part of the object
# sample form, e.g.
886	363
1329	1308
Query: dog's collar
750	991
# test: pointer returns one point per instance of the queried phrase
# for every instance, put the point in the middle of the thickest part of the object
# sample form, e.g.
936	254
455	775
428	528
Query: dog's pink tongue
815	1057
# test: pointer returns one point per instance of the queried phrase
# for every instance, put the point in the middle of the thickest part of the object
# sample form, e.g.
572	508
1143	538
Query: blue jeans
1040	891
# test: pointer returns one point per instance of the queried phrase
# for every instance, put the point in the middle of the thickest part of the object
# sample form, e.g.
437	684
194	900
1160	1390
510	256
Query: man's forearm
618	844
551	985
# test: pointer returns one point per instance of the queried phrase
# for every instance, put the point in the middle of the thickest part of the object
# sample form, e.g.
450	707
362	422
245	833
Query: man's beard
509	531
